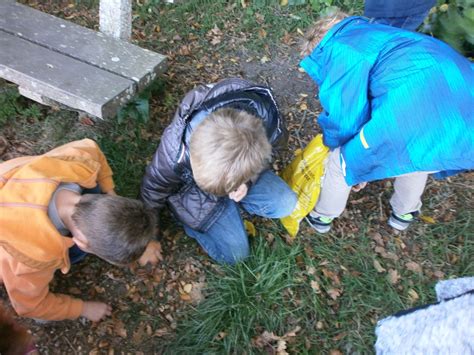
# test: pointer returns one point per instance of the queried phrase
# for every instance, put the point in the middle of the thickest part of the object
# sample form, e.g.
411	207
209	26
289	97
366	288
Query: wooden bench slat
95	48
61	78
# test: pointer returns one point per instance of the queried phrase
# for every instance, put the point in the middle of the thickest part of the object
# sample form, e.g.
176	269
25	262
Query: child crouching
213	159
49	218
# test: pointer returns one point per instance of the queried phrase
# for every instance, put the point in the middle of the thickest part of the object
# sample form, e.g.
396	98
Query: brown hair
227	149
14	338
117	229
316	33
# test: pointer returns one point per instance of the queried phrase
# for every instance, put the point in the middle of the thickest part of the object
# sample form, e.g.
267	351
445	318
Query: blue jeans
226	241
410	23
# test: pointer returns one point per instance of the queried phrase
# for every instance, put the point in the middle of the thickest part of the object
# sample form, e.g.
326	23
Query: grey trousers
335	192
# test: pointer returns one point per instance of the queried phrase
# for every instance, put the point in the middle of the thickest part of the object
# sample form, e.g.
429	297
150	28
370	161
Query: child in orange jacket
46	213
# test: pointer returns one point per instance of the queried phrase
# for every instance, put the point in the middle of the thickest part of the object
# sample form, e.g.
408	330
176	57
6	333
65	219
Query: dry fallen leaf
393	276
119	329
74	290
428	219
264	339
292	333
412	266
196	293
264	59
185	297
412	295
377	237
250	228
220	335
139	334
315	286
334	293
103	344
161	332
187	288
281	347
378	266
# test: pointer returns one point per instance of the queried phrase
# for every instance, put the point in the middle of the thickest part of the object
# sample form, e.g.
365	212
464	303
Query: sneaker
401	222
320	224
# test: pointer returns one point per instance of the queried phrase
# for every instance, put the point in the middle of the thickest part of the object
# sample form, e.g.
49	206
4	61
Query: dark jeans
226	241
76	255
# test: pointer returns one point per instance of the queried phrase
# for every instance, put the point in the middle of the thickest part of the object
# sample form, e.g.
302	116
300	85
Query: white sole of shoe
401	226
317	228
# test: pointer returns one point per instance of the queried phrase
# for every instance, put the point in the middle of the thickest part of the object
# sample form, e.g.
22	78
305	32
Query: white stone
116	18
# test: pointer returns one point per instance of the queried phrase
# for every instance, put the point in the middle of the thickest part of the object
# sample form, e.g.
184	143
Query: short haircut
227	149
117	229
316	33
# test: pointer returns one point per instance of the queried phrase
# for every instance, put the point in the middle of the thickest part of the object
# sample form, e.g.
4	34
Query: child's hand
95	311
358	187
239	194
152	254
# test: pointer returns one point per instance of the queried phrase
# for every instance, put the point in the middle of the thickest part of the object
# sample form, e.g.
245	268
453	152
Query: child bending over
395	104
214	158
49	219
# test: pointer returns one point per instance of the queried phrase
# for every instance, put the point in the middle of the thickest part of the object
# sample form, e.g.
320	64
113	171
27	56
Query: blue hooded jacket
395	101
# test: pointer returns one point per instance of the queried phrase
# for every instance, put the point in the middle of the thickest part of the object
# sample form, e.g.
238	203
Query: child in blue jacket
395	104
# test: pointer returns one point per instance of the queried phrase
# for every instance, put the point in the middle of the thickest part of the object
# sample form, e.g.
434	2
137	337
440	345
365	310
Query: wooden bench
54	61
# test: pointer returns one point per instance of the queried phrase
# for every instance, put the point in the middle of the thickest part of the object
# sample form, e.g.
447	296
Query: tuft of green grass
326	285
127	151
242	302
12	106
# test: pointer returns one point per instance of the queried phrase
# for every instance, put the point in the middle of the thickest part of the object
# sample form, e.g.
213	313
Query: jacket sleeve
280	139
160	180
88	149
104	175
29	294
344	96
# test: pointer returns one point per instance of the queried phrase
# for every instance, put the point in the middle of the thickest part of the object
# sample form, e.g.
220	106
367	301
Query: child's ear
80	239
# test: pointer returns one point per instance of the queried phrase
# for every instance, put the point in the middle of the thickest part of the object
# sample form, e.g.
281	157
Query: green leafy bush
452	21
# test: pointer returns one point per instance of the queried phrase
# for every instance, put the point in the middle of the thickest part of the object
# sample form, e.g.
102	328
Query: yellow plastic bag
304	175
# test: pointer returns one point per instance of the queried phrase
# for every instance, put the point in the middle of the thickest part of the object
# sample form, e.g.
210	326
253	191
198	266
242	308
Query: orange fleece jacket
31	248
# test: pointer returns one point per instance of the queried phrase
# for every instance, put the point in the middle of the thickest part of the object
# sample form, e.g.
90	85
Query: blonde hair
117	229
227	149
316	33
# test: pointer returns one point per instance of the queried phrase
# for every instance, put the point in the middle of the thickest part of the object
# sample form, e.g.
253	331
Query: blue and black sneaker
403	221
320	224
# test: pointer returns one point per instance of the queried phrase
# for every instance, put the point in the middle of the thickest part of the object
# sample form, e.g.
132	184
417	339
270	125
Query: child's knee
287	205
235	254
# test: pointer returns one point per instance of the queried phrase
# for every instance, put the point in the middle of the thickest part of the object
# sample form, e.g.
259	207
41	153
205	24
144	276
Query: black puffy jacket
169	179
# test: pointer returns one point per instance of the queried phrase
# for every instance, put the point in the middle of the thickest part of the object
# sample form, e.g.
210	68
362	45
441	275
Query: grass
127	151
260	23
13	105
274	291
